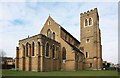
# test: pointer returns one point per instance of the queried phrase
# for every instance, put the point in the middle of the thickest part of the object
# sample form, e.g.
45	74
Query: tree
2	59
2	53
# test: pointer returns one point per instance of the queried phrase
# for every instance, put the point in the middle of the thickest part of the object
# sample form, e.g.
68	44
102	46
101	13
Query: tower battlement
89	12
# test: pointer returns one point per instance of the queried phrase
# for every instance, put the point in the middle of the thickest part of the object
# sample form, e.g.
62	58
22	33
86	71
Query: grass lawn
60	73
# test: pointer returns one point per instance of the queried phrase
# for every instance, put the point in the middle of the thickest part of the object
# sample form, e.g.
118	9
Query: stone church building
55	49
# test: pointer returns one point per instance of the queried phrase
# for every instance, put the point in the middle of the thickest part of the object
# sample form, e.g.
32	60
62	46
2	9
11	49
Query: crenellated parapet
92	11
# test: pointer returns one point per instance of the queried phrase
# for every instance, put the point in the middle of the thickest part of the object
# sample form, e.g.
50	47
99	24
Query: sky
20	19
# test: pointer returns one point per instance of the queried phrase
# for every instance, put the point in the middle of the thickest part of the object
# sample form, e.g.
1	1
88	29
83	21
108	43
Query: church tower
90	37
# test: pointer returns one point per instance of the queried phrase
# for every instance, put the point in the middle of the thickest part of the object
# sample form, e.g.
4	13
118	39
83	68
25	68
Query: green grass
60	73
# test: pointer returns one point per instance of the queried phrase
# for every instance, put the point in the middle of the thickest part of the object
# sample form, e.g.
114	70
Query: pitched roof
69	34
63	29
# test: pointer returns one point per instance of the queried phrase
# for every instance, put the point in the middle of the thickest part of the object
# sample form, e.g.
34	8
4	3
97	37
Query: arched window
63	53
53	36
38	48
47	50
86	22
27	47
23	49
29	50
53	51
90	21
49	22
49	33
33	46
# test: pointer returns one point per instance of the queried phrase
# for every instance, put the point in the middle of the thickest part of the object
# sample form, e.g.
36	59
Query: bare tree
2	53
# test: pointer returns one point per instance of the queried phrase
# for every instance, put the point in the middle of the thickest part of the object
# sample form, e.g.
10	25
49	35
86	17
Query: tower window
90	21
88	40
86	22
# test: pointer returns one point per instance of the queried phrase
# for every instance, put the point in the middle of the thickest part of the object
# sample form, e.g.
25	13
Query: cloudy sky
20	19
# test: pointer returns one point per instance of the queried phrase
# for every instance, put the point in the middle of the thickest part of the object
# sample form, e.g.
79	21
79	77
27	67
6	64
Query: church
55	49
